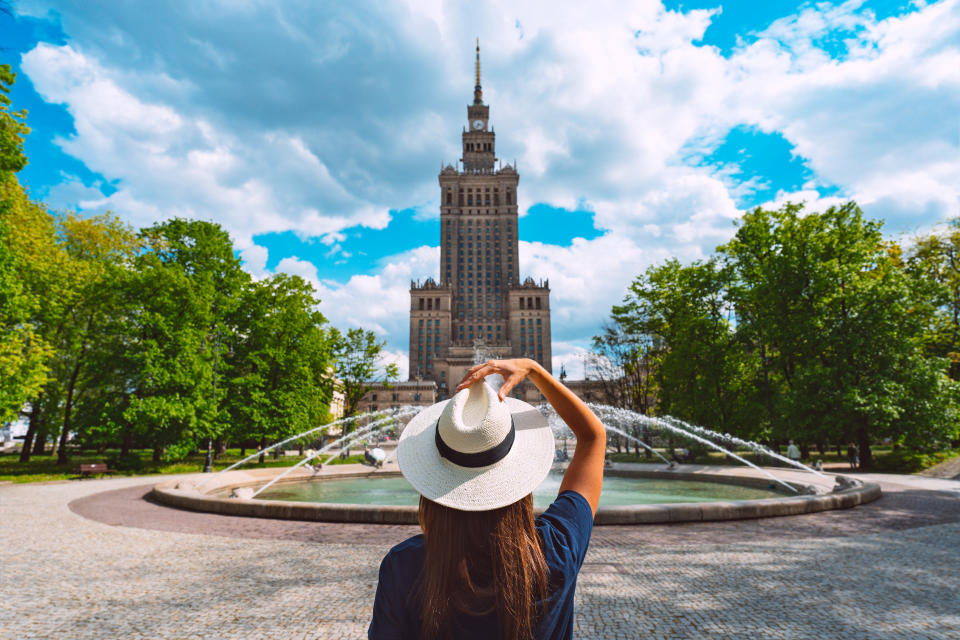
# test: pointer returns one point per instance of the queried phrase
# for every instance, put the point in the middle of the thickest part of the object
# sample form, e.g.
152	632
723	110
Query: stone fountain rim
184	493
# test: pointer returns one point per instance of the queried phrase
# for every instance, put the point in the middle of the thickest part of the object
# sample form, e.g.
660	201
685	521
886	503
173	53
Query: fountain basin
209	493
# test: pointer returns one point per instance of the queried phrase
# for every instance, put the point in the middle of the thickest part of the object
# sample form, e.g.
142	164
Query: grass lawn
885	458
138	463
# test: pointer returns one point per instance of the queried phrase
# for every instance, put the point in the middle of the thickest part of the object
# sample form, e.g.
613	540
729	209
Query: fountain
633	492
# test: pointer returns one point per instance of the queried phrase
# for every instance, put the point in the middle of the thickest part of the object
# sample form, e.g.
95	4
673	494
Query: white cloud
379	302
881	124
316	117
169	164
570	357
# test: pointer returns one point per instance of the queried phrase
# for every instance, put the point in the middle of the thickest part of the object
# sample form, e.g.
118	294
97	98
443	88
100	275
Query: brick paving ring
815	493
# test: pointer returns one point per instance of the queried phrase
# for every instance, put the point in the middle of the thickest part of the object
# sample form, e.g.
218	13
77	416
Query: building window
421	304
538	303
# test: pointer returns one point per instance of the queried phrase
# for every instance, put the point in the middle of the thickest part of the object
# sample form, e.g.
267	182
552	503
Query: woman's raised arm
585	472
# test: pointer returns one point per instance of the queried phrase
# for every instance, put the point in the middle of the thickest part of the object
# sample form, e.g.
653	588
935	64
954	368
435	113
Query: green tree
805	326
12	127
97	248
358	355
24	238
279	360
178	294
839	326
701	366
935	259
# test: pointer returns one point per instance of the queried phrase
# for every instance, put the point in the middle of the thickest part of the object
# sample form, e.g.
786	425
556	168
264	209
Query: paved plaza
93	559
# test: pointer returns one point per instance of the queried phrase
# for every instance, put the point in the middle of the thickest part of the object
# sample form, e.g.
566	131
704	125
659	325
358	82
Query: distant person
793	452
853	455
818	465
484	566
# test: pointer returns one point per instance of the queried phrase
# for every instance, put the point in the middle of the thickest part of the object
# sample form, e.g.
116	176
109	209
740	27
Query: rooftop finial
477	91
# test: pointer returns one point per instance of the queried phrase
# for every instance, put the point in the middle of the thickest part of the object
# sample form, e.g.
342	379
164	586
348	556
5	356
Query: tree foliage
155	338
807	326
280	361
358	354
934	259
26	249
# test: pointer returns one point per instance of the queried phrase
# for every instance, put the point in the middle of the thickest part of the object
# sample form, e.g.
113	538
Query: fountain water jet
755	446
186	494
638	441
401	412
616	413
359	433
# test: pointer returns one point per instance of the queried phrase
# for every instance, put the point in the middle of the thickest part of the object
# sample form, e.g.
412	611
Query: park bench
95	467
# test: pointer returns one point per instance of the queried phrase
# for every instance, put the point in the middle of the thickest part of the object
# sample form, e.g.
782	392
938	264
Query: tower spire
477	91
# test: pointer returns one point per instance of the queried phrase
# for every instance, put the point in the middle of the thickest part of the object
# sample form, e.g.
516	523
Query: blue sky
314	134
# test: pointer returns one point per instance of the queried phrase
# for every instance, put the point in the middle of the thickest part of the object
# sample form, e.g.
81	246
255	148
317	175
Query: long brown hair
482	561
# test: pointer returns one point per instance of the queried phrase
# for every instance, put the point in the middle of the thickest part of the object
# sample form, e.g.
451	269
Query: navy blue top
564	528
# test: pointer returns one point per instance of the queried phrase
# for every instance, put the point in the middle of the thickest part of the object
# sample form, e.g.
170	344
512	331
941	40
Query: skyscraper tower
479	305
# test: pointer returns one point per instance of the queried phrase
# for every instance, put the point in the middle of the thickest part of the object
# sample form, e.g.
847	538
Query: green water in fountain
617	491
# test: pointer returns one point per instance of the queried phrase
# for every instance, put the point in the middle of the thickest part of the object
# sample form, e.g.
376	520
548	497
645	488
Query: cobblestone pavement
64	575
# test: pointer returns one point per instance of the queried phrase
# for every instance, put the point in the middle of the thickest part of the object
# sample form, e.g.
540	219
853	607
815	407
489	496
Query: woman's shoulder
569	505
569	519
409	552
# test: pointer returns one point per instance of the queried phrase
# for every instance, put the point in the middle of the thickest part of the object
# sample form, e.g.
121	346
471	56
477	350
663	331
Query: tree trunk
767	391
822	448
127	443
805	452
40	441
863	443
65	430
263	443
243	448
158	453
31	430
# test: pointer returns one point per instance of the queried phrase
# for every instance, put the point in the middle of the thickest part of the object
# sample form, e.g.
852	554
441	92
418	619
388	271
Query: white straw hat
474	452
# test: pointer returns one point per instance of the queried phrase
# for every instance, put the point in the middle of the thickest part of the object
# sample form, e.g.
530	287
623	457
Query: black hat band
480	458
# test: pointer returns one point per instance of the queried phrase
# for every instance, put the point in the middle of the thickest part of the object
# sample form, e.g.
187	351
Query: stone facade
382	397
587	390
480	306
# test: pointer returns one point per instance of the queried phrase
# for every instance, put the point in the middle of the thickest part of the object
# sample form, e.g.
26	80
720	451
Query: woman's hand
513	372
